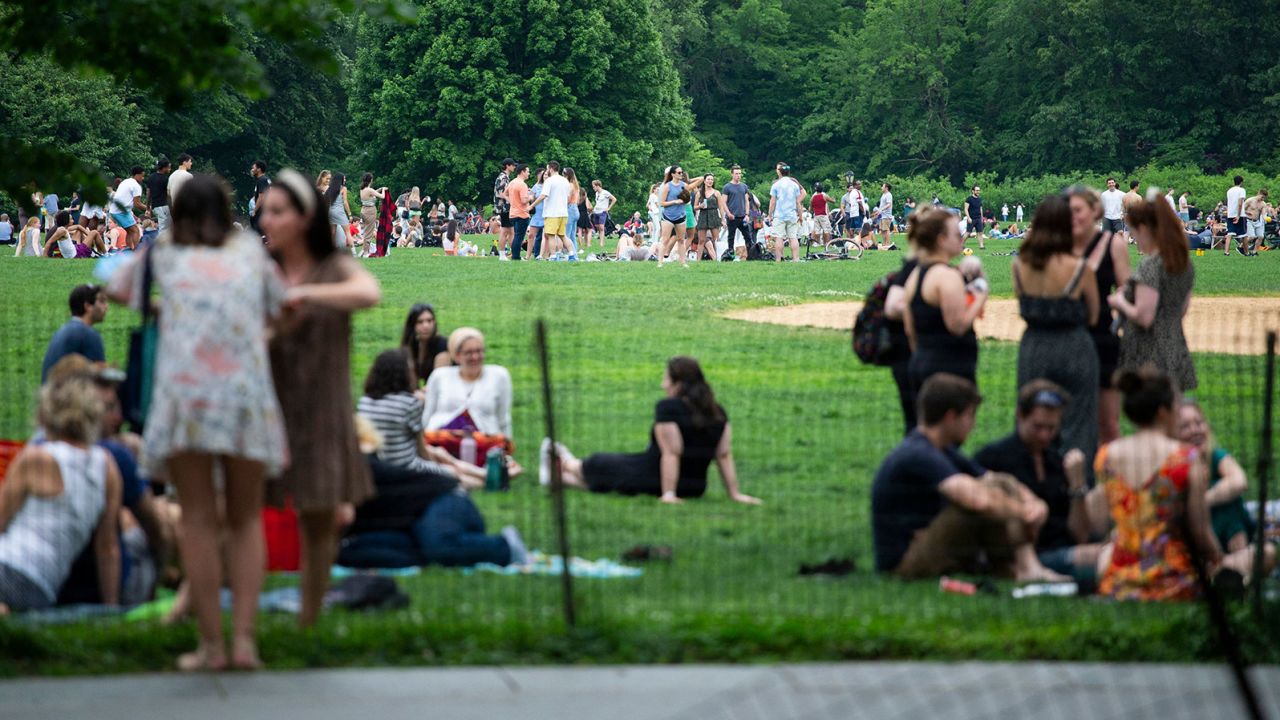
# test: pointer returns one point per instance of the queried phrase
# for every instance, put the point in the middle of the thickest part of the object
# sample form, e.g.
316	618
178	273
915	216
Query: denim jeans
520	226
537	240
450	532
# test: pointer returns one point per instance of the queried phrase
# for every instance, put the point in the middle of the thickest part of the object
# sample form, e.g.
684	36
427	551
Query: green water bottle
495	468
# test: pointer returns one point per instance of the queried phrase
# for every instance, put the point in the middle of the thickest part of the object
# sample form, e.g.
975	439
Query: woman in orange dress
1152	487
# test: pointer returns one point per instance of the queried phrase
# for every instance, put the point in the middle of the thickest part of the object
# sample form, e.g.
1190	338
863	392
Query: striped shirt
398	418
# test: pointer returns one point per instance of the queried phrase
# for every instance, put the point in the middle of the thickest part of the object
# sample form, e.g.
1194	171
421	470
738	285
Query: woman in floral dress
213	402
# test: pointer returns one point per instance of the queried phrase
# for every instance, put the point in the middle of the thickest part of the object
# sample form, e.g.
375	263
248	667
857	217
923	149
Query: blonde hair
71	409
33	222
323	178
459	337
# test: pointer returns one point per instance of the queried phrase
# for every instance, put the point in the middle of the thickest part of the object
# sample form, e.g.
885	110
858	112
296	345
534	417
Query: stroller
1271	234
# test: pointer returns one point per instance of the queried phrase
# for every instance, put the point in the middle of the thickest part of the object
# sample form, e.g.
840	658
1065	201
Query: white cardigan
488	399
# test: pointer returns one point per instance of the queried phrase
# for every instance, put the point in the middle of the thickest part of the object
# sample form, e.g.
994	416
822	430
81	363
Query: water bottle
467	450
495	467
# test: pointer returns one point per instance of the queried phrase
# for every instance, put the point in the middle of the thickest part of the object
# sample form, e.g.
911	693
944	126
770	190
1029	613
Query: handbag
135	391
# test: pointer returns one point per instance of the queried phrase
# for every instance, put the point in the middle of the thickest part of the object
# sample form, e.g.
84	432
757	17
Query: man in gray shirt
738	207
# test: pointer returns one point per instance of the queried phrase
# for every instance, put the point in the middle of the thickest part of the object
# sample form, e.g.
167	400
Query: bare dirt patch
1231	325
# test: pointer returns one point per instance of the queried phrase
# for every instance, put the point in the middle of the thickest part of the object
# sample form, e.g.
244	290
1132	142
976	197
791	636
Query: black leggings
735	225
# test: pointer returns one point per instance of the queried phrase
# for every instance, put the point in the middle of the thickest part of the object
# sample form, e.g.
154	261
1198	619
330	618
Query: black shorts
1236	226
504	218
1112	226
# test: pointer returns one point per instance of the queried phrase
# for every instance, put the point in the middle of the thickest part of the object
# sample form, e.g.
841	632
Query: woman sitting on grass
690	429
1227	482
1153	488
421	338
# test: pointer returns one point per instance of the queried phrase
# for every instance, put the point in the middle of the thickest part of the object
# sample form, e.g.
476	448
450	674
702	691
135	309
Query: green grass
810	426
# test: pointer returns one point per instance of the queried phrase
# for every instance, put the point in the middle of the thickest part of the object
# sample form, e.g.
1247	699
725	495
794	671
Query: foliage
584	83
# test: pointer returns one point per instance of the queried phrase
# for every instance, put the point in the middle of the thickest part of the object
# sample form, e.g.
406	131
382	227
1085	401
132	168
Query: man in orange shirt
518	197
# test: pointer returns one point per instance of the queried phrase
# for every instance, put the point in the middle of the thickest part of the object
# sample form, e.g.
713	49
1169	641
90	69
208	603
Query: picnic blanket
539	564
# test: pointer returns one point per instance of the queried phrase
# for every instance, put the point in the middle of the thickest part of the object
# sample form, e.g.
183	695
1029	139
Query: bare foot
1042	575
203	659
244	654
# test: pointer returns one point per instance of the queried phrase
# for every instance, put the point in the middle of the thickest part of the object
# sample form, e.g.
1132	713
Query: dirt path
1232	325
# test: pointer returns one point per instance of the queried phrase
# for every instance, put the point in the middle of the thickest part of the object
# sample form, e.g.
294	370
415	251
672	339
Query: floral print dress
1150	559
213	391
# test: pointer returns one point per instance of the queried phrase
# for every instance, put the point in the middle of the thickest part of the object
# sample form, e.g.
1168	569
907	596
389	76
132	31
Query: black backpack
872	341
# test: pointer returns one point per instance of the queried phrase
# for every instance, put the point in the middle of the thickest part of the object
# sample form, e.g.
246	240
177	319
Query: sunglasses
1049	399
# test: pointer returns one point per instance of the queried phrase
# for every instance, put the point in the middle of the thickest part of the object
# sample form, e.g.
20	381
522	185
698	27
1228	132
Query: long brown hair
694	391
202	212
1166	231
926	225
1050	232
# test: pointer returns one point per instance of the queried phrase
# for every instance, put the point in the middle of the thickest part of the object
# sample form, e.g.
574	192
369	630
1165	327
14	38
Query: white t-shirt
67	247
1004	210
654	207
1182	204
885	208
1113	204
1172	203
556	191
602	201
1235	196
128	191
176	180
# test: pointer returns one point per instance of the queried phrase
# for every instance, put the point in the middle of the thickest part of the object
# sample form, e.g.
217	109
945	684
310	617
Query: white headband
300	187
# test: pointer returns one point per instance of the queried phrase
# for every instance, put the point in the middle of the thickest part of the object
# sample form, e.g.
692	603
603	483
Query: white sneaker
544	462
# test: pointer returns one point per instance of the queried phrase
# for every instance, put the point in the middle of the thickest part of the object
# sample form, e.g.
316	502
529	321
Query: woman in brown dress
311	366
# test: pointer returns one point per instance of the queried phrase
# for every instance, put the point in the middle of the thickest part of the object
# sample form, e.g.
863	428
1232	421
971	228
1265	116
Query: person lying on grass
690	429
935	512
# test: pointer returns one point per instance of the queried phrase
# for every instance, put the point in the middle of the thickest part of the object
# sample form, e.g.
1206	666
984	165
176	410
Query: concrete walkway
879	691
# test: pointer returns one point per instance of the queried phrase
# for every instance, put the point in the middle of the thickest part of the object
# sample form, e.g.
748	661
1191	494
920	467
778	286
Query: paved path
879	691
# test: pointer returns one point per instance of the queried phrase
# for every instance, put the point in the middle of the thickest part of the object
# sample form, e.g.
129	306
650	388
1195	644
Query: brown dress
311	366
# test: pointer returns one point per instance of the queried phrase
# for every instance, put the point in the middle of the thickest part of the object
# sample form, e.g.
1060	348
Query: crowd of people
250	405
1065	497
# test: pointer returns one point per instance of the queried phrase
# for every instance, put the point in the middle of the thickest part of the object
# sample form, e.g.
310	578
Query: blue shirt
787	193
51	204
6	231
73	337
536	220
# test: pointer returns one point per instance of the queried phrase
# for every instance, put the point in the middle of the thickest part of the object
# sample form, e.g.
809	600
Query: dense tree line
433	92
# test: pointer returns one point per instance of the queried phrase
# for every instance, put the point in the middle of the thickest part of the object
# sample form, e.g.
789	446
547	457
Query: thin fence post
557	483
1264	472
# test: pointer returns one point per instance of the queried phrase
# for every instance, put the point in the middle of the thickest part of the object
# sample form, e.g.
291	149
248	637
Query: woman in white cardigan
484	391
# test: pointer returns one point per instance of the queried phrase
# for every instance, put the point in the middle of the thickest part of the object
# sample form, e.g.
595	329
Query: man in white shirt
179	176
1235	213
555	199
786	208
127	198
1113	209
885	212
1004	212
600	212
855	206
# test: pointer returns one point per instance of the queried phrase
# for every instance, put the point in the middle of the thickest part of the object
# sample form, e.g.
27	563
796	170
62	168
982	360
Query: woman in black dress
940	315
690	429
422	340
1108	257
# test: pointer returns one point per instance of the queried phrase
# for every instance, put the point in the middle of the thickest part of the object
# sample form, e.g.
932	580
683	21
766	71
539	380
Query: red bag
280	528
9	450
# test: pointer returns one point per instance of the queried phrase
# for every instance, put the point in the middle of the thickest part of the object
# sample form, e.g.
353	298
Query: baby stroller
1271	234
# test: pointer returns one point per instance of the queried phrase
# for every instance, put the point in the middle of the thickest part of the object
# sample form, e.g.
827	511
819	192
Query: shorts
786	229
125	220
1235	226
599	218
854	223
975	226
822	224
1256	228
1112	226
504	218
1184	216
886	224
555	226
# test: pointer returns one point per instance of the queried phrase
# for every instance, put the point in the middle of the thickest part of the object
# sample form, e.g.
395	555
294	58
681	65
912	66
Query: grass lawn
810	425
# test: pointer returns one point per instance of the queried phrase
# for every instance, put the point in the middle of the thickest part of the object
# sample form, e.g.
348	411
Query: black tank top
932	335
1106	276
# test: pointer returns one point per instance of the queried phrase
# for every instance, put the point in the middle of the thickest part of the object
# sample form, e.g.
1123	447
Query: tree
170	50
585	83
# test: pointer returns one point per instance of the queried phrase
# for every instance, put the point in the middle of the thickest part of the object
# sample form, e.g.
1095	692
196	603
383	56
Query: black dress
1104	338
640	473
937	350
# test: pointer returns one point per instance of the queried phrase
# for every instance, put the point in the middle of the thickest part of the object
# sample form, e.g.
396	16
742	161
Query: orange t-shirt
518	194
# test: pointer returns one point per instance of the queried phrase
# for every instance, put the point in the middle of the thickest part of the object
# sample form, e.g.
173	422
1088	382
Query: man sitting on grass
1034	455
934	511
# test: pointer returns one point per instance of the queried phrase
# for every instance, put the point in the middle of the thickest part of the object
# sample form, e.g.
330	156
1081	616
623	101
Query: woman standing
939	318
1154	304
369	214
214	403
311	363
1108	258
711	209
335	198
655	212
575	212
1058	296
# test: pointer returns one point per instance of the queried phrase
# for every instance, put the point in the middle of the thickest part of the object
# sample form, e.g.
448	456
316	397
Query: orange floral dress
1149	559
